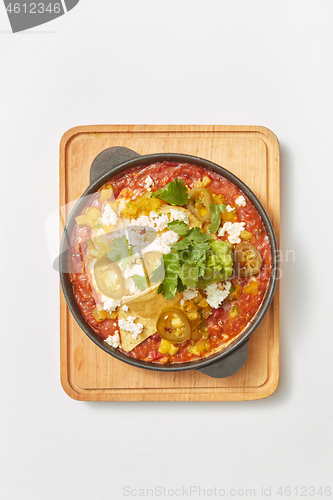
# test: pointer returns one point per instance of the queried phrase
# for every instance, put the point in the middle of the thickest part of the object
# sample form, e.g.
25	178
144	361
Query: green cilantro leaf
179	227
215	218
186	261
140	281
196	236
174	192
196	261
181	245
181	287
169	287
189	274
119	249
158	274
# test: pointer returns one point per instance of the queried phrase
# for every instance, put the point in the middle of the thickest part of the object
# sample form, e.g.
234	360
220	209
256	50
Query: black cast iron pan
116	160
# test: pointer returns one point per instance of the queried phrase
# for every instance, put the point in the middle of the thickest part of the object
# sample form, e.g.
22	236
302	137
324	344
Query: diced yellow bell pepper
177	322
155	204
142	205
206	181
93	213
83	220
229	216
167	347
197	299
234	312
108	229
93	252
203	303
218	199
235	293
201	346
100	315
202	182
102	244
206	312
173	349
106	194
252	287
193	315
112	315
246	235
164	346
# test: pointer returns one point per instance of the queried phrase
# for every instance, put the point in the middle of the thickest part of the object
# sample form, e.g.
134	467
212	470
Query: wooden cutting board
252	154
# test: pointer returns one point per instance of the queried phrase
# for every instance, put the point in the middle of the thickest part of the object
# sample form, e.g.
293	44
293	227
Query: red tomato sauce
223	329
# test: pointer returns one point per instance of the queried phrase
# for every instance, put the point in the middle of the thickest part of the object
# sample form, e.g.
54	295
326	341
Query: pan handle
227	366
108	159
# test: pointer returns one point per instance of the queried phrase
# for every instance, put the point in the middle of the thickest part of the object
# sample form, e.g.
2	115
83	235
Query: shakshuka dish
169	262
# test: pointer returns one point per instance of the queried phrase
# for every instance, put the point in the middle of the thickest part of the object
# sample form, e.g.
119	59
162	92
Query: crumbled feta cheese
113	340
229	208
178	215
148	182
139	238
217	292
190	293
129	325
163	242
143	220
130	285
182	302
240	201
111	305
131	269
125	308
157	222
109	216
160	221
234	230
135	269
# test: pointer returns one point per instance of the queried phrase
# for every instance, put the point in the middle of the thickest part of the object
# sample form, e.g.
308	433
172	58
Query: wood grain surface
252	154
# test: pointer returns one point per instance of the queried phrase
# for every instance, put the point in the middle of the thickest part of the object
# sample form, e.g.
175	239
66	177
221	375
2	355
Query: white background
255	62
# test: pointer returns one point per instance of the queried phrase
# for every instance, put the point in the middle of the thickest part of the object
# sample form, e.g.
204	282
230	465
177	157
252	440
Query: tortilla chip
149	328
193	221
148	303
146	307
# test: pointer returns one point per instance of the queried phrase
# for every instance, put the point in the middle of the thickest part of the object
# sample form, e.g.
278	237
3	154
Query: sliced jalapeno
109	278
173	325
198	205
247	260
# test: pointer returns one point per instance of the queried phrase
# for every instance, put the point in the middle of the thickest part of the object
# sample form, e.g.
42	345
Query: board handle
227	366
108	159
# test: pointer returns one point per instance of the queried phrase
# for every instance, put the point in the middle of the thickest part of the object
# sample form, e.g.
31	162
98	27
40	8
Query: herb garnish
215	218
140	281
175	193
186	261
119	249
